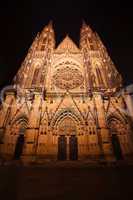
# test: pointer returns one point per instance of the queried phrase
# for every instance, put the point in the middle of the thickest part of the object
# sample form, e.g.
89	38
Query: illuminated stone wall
66	90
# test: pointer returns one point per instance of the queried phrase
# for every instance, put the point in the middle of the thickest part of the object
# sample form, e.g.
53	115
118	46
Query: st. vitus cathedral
65	103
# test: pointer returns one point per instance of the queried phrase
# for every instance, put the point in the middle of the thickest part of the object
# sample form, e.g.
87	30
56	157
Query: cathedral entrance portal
62	148
19	144
19	147
116	126
73	147
67	140
116	147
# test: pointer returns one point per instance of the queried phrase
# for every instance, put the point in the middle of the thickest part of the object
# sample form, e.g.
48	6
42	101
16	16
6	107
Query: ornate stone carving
83	114
68	78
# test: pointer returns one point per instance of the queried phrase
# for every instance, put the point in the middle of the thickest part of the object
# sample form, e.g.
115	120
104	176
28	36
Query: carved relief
68	78
67	126
51	113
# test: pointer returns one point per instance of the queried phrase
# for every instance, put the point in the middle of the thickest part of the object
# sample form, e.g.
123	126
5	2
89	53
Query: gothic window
68	78
42	78
21	79
99	76
118	129
92	79
35	76
43	132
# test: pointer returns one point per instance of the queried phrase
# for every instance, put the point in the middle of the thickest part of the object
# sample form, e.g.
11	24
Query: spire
85	28
48	27
67	44
47	37
86	37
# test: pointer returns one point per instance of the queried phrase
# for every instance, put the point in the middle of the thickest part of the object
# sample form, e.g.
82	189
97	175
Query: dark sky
20	21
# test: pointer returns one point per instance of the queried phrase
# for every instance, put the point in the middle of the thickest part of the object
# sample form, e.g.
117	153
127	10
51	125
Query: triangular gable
67	45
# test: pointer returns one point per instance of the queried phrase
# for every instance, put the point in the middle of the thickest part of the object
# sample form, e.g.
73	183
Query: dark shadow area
19	147
39	183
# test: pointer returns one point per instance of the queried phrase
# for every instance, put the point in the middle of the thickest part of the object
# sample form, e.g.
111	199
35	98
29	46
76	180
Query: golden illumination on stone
63	103
68	78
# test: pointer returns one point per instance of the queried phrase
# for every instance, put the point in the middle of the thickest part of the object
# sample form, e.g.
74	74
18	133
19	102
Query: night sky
20	21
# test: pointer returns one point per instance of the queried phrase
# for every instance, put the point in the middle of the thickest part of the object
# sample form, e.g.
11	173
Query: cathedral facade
65	103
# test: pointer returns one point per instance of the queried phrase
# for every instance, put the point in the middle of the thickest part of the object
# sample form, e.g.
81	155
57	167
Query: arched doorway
19	144
62	147
116	147
67	140
73	147
19	126
116	128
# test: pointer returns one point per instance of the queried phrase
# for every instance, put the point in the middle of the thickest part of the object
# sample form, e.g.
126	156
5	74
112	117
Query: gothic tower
65	103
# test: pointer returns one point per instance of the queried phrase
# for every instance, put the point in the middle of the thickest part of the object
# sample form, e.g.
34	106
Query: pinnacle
85	26
48	27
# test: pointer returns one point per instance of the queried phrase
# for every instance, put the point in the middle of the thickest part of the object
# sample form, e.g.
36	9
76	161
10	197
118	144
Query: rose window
68	78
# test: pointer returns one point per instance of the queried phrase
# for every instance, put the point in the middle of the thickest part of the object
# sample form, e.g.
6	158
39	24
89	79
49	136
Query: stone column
34	121
103	131
5	114
7	104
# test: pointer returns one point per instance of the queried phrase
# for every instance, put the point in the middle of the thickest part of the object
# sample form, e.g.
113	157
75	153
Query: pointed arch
63	113
22	120
67	125
119	130
115	117
17	134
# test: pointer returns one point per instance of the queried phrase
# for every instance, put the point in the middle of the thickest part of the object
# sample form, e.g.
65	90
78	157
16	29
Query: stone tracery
62	87
67	78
